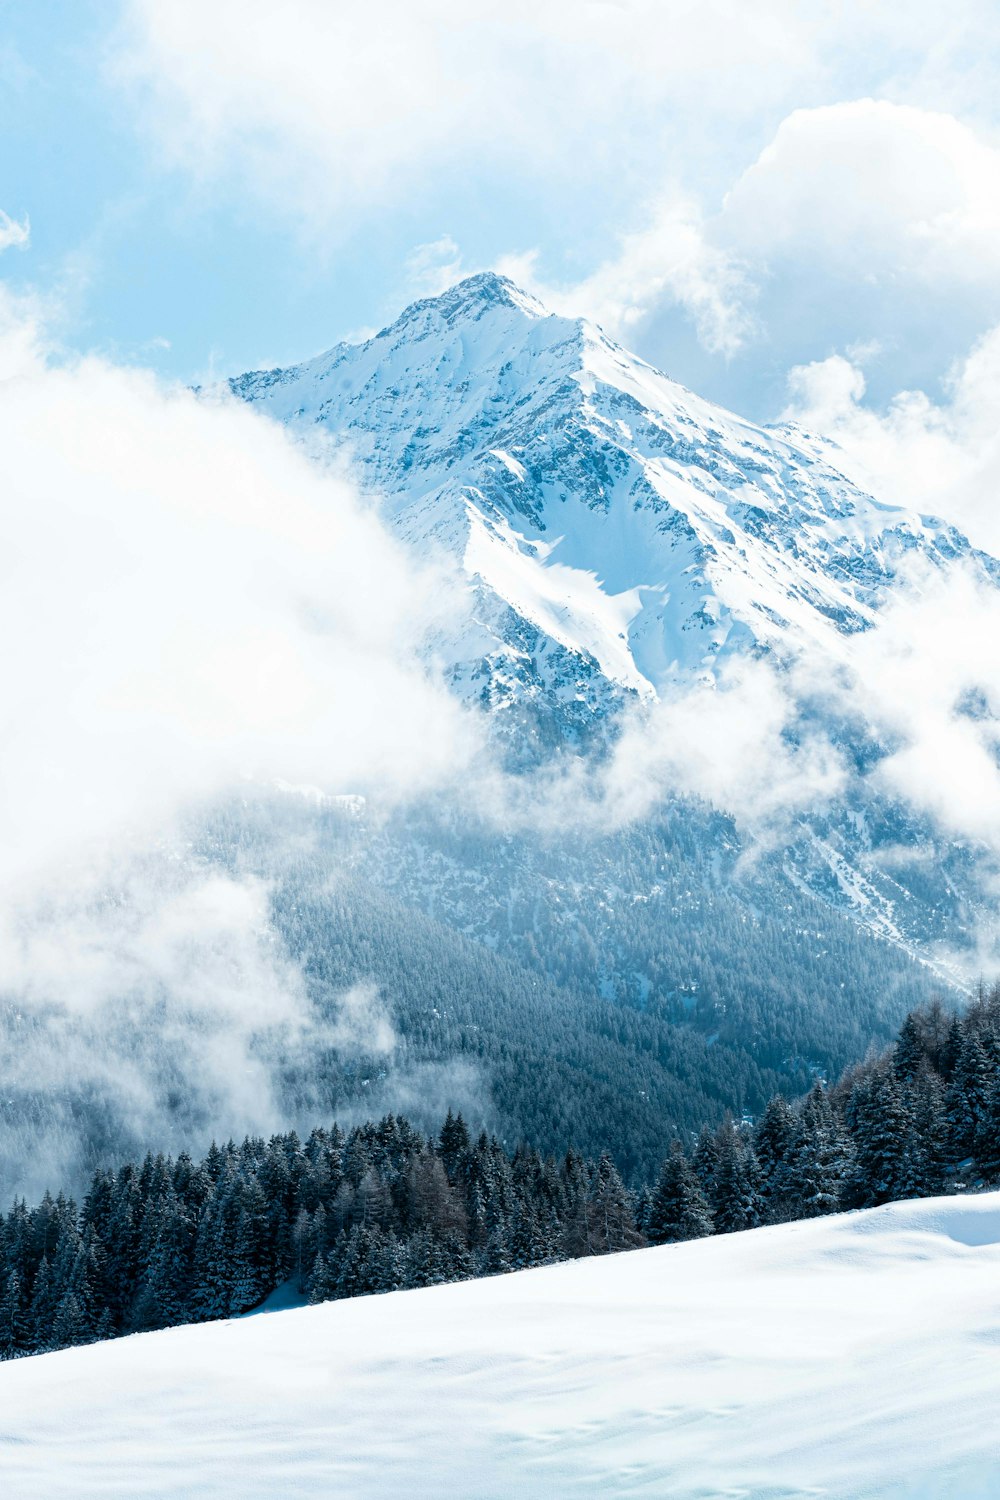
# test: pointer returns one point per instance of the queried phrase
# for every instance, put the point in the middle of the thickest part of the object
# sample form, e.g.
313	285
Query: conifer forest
382	1207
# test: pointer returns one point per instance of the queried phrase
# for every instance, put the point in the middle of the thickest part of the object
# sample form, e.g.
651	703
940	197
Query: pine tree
530	1241
737	1202
706	1161
775	1140
70	1325
969	1100
13	1319
927	1104
423	1263
251	1276
821	1161
456	1259
361	1265
453	1142
496	1258
387	1267
679	1209
164	1295
211	1271
322	1280
908	1053
41	1314
433	1203
882	1126
610	1211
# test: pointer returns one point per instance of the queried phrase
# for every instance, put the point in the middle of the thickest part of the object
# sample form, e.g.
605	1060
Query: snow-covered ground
855	1356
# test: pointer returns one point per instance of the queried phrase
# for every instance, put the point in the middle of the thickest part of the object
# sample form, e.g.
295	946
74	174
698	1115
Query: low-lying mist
192	608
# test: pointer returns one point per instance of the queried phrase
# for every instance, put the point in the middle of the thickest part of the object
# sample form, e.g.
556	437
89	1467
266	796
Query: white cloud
366	89
327	105
874	188
14	233
433	267
726	743
362	1023
669	263
927	680
938	456
849	217
188	599
924	684
157	985
739	743
868	202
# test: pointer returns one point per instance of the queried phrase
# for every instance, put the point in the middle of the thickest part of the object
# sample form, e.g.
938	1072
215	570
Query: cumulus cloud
877	188
141	983
147	1000
362	1023
868	225
907	711
941	456
327	107
433	267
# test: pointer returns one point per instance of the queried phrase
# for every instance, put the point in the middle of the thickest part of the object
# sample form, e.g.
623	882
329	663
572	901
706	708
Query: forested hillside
381	1207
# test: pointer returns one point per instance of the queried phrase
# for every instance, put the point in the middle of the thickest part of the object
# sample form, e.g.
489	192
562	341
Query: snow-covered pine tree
737	1202
13	1318
678	1208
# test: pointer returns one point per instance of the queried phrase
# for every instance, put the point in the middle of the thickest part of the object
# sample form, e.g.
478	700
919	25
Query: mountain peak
472	297
489	287
619	533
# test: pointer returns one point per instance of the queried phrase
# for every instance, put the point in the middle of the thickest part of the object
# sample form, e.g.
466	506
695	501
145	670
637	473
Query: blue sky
742	194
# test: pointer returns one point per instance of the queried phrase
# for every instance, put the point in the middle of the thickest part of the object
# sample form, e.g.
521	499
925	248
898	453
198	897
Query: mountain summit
621	536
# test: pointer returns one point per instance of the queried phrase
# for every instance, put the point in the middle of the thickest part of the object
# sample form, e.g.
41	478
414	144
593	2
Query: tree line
383	1207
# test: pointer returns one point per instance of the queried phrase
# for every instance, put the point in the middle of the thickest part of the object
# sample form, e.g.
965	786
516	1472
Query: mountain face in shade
622	541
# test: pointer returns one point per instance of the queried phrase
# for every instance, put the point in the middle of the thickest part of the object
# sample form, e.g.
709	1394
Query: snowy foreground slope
853	1356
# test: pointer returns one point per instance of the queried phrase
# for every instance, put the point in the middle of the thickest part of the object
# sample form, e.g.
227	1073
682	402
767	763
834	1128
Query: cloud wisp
14	233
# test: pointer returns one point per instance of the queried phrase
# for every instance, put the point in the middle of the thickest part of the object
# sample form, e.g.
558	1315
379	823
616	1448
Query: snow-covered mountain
845	1357
622	536
623	540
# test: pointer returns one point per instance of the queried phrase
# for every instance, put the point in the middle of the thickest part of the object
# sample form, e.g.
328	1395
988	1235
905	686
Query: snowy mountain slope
844	1357
614	526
